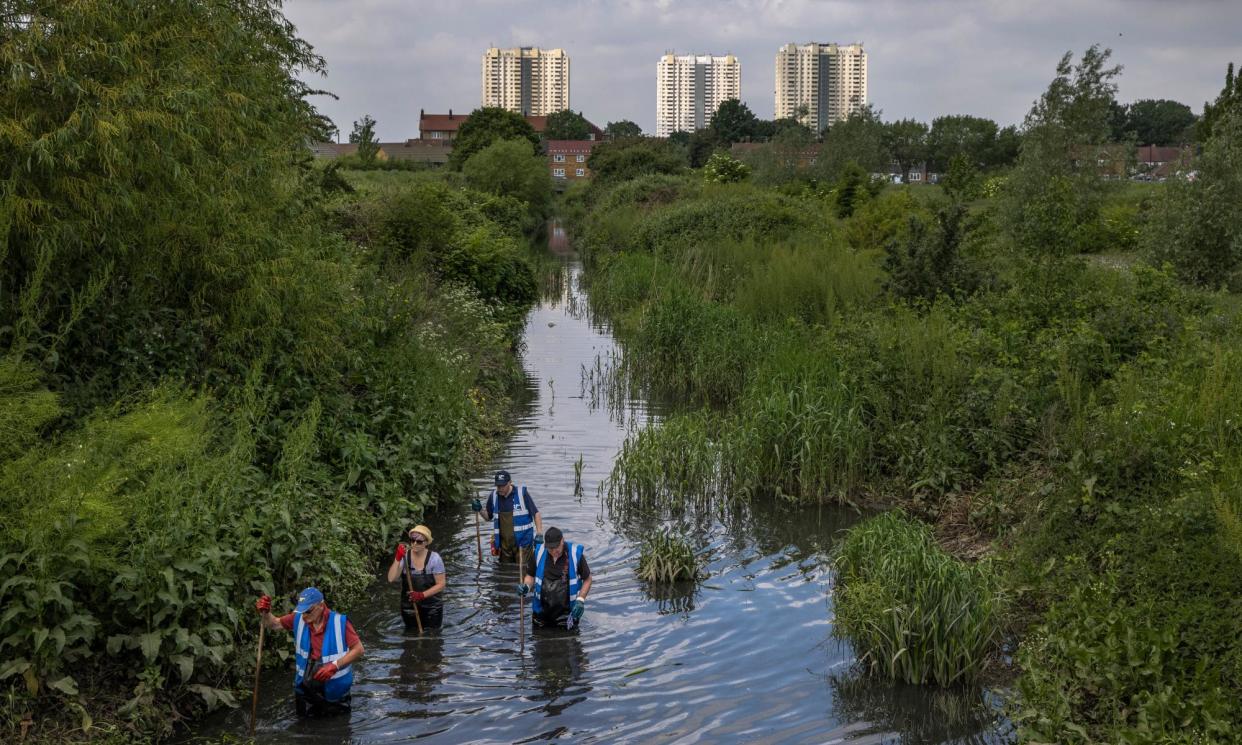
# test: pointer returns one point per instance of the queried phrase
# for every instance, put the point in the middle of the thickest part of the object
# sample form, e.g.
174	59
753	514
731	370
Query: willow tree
149	173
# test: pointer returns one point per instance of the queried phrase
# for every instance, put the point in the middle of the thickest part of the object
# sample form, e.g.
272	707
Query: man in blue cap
325	646
516	522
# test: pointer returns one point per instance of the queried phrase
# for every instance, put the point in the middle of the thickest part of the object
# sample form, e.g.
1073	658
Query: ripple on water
744	656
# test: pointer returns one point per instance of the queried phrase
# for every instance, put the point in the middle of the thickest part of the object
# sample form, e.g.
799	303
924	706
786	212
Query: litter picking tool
258	664
409	578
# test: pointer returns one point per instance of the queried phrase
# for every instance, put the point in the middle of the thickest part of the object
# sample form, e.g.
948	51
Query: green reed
914	613
667	558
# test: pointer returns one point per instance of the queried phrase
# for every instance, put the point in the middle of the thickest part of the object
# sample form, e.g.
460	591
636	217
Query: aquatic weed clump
667	558
914	613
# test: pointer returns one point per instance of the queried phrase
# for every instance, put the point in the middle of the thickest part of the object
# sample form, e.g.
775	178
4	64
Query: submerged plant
578	476
914	613
667	558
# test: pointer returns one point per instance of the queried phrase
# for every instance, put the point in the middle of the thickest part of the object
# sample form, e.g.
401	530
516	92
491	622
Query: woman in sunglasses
422	578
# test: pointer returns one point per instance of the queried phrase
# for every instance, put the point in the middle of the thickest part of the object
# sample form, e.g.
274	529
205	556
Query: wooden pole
258	663
478	538
522	600
409	578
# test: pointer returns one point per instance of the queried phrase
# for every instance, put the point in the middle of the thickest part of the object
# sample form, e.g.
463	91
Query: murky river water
746	656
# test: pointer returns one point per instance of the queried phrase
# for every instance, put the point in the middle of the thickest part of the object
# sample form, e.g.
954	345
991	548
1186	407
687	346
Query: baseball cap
307	599
502	478
552	537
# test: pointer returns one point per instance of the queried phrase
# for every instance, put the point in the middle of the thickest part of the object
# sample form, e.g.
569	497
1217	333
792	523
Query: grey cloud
390	58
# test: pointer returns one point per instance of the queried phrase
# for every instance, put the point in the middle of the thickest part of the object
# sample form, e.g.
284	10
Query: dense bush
1198	224
201	380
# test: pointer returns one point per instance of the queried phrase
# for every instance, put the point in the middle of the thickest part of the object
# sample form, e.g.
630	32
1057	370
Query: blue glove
522	589
476	505
538	539
576	609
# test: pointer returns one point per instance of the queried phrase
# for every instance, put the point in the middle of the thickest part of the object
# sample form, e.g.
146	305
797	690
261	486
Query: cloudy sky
990	58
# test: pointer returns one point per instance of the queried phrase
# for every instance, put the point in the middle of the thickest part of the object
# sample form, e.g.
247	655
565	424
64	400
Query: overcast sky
926	58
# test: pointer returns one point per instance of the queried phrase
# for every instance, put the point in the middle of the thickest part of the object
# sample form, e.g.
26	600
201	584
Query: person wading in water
516	522
325	647
425	568
560	579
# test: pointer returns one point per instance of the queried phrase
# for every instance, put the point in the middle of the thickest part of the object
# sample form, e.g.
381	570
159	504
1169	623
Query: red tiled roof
570	147
440	122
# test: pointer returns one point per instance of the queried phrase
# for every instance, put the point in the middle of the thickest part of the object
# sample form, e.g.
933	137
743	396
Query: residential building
428	152
419	151
689	89
527	80
439	127
567	159
819	84
443	127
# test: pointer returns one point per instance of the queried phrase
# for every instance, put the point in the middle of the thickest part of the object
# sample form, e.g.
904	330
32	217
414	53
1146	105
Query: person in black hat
516	522
558	576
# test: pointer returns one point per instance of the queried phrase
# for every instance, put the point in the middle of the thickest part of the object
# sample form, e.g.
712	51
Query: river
746	655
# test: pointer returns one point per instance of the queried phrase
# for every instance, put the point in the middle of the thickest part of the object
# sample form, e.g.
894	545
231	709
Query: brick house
443	127
333	150
567	159
1158	163
430	152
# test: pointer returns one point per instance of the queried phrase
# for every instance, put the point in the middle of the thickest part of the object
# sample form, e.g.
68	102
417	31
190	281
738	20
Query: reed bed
913	613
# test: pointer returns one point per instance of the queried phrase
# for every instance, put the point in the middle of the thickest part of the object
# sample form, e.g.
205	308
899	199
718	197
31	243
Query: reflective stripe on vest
333	649
523	521
575	555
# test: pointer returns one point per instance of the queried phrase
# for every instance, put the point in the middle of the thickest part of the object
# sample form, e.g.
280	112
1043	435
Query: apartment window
558	158
916	176
580	172
560	172
581	158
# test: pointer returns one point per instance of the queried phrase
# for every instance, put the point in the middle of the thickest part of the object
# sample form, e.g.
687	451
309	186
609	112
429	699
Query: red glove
263	604
495	551
400	552
325	672
415	596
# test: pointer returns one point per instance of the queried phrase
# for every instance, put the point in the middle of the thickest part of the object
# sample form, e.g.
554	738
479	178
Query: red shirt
351	638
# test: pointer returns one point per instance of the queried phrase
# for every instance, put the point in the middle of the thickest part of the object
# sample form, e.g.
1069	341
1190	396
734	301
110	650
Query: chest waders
430	610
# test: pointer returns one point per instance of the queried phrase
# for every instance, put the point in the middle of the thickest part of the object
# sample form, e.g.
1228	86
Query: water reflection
917	716
560	662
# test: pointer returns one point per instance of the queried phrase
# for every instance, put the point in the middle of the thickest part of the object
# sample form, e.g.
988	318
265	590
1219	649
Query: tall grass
912	612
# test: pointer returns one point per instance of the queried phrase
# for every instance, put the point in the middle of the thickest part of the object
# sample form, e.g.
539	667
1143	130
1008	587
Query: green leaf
14	667
150	644
65	685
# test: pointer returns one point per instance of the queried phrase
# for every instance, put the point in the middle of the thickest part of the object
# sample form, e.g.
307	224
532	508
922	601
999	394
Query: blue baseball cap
502	478
308	598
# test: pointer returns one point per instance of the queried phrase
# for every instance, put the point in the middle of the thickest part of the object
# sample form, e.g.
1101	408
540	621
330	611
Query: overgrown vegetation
222	372
914	613
1000	361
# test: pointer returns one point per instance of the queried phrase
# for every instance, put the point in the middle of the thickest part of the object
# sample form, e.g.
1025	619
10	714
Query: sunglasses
417	540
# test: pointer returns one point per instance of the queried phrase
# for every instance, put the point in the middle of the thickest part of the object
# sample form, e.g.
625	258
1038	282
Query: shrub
722	168
914	613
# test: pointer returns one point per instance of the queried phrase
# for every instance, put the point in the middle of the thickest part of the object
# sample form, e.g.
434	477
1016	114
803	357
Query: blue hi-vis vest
574	551
334	648
523	520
